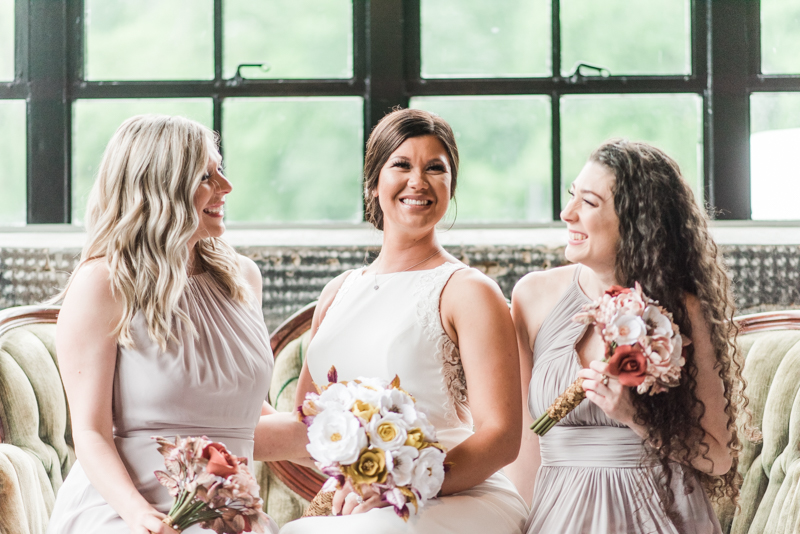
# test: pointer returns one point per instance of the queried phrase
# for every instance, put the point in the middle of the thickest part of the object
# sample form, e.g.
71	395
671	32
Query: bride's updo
388	135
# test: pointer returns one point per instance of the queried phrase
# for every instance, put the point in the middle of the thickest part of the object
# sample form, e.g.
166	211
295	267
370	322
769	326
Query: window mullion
48	191
730	110
385	86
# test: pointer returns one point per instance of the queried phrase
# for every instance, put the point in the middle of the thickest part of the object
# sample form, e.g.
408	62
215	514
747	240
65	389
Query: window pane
12	154
296	38
149	39
627	36
780	36
673	123
95	121
6	40
504	147
774	139
476	38
294	159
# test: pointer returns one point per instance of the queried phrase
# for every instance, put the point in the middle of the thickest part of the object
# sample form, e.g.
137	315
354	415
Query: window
775	114
295	86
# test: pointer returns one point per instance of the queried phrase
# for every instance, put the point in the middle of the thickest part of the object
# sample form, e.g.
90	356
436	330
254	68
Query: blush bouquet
211	487
644	348
370	433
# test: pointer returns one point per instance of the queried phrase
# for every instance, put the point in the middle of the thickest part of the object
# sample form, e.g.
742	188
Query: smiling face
414	184
209	199
592	223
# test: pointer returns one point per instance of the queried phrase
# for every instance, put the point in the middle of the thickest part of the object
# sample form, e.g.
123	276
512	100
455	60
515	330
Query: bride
443	328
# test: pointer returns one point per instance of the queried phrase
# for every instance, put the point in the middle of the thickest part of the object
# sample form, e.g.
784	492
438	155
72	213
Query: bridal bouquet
211	487
644	348
370	433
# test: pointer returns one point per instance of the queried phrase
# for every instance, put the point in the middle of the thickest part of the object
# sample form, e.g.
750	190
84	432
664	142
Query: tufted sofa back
36	450
770	500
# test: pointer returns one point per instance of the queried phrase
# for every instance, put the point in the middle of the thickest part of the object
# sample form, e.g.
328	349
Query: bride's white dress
397	330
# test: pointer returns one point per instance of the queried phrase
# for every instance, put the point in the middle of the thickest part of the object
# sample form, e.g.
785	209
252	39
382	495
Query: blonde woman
160	332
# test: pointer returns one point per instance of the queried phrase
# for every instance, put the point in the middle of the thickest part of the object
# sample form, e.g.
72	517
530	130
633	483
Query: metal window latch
238	78
583	70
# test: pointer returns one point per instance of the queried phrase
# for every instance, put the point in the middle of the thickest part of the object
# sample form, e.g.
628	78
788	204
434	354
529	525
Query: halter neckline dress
593	477
211	385
397	330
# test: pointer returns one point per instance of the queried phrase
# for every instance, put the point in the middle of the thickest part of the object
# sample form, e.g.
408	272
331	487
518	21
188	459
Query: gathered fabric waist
592	446
184	432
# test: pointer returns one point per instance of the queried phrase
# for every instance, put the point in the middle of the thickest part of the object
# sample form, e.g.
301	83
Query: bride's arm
87	351
476	317
279	435
523	470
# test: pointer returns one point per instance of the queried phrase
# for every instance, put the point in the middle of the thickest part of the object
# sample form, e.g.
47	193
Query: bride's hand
347	501
608	394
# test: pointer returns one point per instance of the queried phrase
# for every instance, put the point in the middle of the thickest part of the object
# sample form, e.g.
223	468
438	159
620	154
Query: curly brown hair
666	246
390	132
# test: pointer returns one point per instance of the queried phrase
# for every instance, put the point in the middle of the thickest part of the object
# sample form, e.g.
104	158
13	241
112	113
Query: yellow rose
416	438
369	468
387	431
364	410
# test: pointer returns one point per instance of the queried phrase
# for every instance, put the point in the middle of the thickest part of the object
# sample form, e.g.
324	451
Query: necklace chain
377	287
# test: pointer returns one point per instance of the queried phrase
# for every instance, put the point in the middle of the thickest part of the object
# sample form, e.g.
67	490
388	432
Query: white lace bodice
397	330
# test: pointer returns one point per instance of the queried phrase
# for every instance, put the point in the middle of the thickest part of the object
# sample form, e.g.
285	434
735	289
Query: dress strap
576	273
349	280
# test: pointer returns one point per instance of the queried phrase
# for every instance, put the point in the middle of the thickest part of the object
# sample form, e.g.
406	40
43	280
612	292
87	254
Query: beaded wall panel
765	277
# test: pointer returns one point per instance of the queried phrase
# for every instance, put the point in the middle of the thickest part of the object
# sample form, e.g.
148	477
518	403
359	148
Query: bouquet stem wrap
565	403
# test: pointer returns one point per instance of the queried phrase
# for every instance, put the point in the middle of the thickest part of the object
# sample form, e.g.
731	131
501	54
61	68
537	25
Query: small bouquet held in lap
369	433
644	348
211	487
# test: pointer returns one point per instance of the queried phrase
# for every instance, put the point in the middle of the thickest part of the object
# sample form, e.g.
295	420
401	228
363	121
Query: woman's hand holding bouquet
211	487
369	435
644	348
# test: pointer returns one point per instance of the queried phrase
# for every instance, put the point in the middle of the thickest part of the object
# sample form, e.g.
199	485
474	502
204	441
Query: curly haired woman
625	462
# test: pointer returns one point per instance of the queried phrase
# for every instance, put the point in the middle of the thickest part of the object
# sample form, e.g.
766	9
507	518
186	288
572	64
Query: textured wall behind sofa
765	277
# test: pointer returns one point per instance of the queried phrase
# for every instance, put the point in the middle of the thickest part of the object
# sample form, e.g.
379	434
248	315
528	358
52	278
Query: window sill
356	235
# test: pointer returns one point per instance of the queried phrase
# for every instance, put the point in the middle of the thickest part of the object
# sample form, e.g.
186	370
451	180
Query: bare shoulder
90	298
92	282
536	294
327	297
467	285
538	286
251	273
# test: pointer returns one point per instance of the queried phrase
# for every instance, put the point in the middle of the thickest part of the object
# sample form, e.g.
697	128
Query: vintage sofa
36	448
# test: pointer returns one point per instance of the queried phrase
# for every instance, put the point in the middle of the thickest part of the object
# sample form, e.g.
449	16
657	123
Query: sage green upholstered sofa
36	449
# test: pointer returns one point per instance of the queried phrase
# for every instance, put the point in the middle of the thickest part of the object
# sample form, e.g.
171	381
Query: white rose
661	326
388	432
336	397
629	328
395	401
368	391
403	459
428	473
428	430
336	436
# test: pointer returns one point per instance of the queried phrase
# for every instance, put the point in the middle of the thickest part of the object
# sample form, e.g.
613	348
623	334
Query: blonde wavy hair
141	216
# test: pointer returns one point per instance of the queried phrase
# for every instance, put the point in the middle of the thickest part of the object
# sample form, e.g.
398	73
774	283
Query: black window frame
726	69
